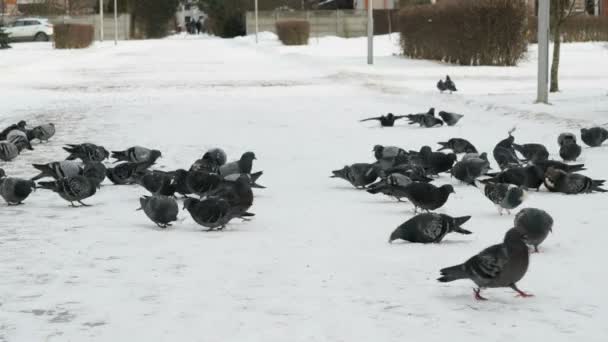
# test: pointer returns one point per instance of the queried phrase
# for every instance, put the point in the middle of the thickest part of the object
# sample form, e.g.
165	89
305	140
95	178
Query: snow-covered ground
314	264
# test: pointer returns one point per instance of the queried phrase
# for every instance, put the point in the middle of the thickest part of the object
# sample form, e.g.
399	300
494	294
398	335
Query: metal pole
115	22
257	27
101	20
543	51
370	32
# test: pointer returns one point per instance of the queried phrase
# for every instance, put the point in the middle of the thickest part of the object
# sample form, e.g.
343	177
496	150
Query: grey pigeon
469	169
157	182
458	145
570	151
359	174
429	228
86	152
95	170
137	154
391	186
594	136
162	210
566	138
504	196
536	224
448	84
450	119
546	164
19	138
427	120
243	165
72	189
532	152
427	196
58	170
43	132
387	120
571	183
213	213
15	190
8	151
529	177
501	265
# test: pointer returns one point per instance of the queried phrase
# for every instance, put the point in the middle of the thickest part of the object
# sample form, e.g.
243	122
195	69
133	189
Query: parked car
29	29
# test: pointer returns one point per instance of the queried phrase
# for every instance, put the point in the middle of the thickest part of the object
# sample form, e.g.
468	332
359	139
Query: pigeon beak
140	208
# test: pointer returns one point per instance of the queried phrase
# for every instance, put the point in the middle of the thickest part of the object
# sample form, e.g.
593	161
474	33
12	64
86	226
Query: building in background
378	4
186	11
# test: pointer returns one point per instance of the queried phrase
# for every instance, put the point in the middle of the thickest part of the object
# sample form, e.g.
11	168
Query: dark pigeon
15	190
483	156
392	186
58	170
594	136
162	210
429	228
20	139
435	163
156	182
427	120
96	171
213	213
359	175
243	165
427	196
458	145
504	152
536	224
570	151
200	182
19	126
529	177
387	120
414	172
501	265
180	177
238	194
448	85
450	119
468	170
546	164
504	196
571	183
72	189
565	138
532	152
125	173
87	152
8	151
137	154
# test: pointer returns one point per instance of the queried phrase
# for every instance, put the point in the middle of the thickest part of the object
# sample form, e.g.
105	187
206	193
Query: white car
29	29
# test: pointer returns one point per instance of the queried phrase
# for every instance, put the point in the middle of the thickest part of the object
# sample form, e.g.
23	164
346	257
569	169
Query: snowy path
314	264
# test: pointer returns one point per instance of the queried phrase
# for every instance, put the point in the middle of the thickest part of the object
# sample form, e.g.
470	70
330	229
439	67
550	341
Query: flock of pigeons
408	175
214	191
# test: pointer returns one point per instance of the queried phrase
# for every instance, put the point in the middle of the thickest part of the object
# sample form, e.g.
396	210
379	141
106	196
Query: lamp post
115	22
257	28
370	32
101	20
543	51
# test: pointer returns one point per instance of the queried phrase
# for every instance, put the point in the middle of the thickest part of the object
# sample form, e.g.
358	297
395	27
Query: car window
31	22
18	23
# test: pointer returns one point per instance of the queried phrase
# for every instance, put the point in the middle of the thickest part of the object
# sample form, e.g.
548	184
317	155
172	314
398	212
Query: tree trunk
557	42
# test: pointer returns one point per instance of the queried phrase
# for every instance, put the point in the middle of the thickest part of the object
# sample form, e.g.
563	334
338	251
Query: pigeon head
426	151
378	148
340	173
248	156
189	203
514	236
566	138
447	78
154	155
484	156
552	175
447	188
390	115
21	124
399	234
431	111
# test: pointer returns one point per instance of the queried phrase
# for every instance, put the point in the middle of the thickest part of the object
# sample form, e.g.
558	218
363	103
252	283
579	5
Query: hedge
73	36
579	28
475	32
293	31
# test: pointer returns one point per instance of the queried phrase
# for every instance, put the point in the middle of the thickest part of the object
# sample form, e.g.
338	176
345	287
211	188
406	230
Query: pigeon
532	152
217	155
19	138
504	196
566	138
211	161
238	194
571	183
468	170
72	189
594	136
359	175
501	265
536	224
157	182
20	126
529	177
391	186
389	156
8	151
179	179
414	172
42	132
546	164
385	120
58	170
570	151
450	119
243	165
162	210
436	162
458	145
429	228
253	177
15	190
504	152
448	84
212	213
427	120
200	182
137	154
474	155
95	170
86	152
427	196
2	173
124	173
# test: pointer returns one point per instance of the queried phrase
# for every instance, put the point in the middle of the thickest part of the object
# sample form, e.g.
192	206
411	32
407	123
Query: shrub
226	18
153	16
580	28
73	36
293	31
474	32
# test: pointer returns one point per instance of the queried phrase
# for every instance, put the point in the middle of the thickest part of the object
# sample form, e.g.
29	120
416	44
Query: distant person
199	26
